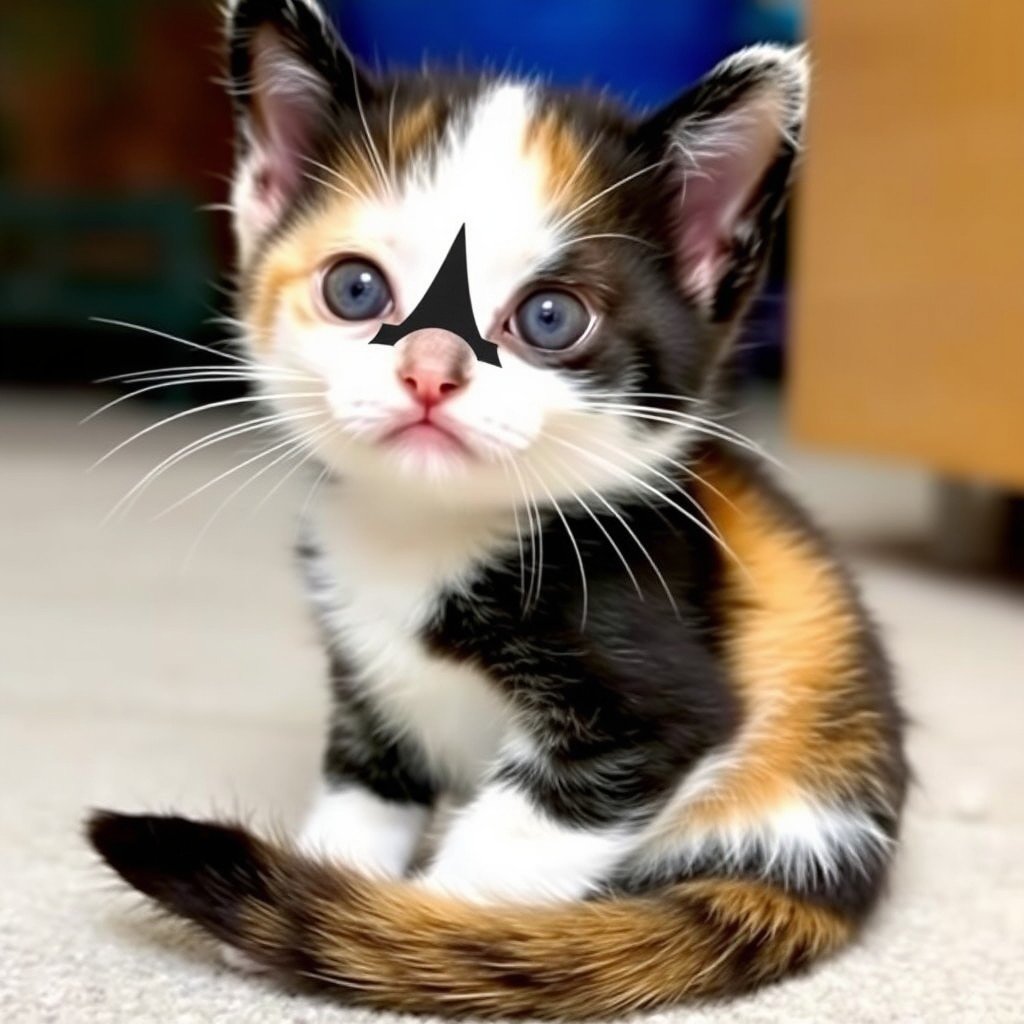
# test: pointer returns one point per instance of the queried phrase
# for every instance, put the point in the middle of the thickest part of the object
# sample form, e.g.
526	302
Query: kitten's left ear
290	76
730	144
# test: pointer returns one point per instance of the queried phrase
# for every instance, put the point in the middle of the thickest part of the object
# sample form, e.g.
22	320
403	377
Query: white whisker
215	437
572	540
287	442
360	193
607	536
173	382
614	449
576	240
308	438
574	215
536	541
324	474
640	482
506	461
374	153
697	425
247	399
173	337
633	535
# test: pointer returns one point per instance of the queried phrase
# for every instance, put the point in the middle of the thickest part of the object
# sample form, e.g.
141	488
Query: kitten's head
606	256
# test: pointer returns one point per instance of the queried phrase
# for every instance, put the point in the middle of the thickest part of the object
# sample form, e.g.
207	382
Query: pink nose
433	365
429	386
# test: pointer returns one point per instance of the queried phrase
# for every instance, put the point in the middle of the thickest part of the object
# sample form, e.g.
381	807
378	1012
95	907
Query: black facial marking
446	304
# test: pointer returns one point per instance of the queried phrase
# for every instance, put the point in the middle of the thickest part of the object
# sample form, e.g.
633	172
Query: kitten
549	585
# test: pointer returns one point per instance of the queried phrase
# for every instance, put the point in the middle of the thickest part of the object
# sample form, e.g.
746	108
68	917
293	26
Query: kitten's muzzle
433	365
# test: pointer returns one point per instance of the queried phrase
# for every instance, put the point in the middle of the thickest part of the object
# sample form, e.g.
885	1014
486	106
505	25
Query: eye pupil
551	320
355	289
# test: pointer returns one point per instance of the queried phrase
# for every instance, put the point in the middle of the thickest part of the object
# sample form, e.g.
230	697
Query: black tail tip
188	866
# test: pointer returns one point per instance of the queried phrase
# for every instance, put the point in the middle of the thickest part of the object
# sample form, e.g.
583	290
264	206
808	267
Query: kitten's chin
427	443
421	463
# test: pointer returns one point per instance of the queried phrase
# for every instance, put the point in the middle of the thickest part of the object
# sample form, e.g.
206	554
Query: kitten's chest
390	587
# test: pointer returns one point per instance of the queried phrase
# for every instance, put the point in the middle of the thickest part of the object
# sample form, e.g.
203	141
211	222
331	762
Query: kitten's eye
551	320
355	289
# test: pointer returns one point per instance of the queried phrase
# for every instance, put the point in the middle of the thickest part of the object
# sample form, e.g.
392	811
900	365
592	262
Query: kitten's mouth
428	435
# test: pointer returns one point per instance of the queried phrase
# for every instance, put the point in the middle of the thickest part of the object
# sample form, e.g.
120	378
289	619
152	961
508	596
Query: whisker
697	425
636	540
313	437
324	474
373	151
391	135
200	408
287	442
360	193
536	541
308	438
572	540
576	240
172	337
662	476
328	185
245	373
574	215
174	382
215	437
653	490
687	417
506	462
577	171
608	537
645	394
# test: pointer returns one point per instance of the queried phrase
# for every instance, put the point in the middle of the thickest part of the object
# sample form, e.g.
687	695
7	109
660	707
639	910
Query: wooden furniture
909	255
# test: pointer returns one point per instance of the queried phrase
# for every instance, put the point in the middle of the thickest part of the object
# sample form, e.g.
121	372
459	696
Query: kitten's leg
375	798
502	846
351	824
510	842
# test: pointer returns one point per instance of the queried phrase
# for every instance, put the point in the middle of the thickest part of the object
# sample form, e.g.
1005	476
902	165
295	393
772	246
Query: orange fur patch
413	132
568	179
793	652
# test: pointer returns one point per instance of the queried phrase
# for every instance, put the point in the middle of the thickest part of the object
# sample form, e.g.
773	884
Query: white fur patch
501	847
361	830
391	568
800	839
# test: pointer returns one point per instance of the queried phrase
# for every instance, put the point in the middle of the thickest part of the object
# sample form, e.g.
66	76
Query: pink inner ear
286	100
725	161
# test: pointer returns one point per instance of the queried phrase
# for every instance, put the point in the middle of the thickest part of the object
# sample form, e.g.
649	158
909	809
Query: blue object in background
645	53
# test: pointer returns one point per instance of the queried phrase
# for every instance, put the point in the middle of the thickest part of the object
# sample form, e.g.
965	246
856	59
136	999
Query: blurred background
884	366
896	314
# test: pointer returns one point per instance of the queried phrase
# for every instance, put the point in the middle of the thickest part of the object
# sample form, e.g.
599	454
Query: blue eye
551	320
355	289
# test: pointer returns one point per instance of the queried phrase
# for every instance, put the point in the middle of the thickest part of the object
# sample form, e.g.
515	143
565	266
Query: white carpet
129	682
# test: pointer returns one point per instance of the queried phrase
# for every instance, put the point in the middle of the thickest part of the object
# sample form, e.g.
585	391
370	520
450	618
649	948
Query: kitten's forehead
490	170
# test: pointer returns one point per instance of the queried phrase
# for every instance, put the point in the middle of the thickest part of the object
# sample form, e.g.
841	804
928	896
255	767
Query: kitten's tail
397	946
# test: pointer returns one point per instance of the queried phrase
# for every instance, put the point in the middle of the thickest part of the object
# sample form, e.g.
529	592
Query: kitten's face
346	212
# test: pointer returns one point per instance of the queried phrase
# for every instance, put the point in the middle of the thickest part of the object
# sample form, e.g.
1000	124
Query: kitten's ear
730	143
289	72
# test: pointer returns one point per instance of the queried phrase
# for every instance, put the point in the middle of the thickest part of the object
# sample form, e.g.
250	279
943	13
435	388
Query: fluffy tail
394	945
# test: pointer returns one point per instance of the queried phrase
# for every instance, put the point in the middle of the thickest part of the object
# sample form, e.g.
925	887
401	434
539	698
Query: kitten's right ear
289	72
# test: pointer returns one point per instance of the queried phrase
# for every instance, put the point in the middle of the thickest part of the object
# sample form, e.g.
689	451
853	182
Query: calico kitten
549	584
